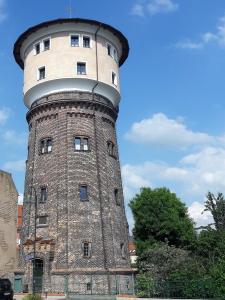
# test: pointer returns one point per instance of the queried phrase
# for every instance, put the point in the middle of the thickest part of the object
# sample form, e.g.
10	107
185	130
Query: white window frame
81	62
88	36
79	39
38	73
45	39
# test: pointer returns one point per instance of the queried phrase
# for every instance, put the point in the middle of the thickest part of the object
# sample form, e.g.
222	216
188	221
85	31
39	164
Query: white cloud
14	166
196	212
188	44
4	115
217	37
153	7
138	10
159	130
12	137
3	15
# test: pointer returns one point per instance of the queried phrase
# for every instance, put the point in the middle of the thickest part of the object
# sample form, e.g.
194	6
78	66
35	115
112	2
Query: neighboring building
8	217
132	251
72	91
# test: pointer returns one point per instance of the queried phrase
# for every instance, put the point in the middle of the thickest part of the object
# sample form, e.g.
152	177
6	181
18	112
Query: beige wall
8	218
61	60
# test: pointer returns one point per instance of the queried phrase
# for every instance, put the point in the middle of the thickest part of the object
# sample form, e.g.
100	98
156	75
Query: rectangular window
74	40
83	193
42	146
81	143
41	73
109	49
88	286
42	220
49	145
81	68
114	79
37	48
46	44
86	42
116	196
86	249
44	194
77	143
115	55
111	149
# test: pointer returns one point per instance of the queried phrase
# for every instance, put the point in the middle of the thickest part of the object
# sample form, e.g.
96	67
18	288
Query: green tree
161	217
216	205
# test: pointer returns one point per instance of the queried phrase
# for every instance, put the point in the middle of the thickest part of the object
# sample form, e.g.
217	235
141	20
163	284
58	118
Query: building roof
25	35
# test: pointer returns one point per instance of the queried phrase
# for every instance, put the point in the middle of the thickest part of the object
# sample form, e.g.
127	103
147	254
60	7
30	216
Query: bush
33	297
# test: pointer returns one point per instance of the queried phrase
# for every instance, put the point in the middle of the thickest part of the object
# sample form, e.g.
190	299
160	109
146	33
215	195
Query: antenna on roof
70	9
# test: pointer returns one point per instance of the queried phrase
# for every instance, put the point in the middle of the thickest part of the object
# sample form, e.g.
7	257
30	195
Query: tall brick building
71	88
8	218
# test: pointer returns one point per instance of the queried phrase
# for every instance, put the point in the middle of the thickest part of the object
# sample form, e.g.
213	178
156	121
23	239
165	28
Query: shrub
33	297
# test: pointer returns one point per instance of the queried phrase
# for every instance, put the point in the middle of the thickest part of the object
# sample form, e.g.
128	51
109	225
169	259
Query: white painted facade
60	61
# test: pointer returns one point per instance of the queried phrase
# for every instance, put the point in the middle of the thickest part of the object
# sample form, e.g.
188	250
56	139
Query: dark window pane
116	196
41	73
109	49
88	286
74	40
42	146
37	48
81	68
86	249
85	144
42	220
46	45
86	42
83	193
49	145
44	194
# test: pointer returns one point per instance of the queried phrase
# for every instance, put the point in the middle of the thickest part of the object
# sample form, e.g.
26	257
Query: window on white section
115	55
114	78
74	40
86	41
81	68
41	72
46	44
37	48
109	49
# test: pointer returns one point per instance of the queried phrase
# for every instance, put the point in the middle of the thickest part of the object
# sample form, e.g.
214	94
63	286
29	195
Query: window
86	42
114	78
88	286
83	193
86	249
46	146
81	68
111	148
41	73
37	48
109	49
74	40
115	55
42	220
44	194
81	143
116	196
122	248
46	44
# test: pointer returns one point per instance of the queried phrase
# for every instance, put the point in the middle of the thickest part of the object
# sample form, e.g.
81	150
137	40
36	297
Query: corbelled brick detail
100	220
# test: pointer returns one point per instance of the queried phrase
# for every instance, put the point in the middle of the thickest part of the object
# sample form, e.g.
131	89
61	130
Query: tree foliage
161	217
216	206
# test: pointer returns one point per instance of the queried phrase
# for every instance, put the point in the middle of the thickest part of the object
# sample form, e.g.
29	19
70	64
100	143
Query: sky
171	125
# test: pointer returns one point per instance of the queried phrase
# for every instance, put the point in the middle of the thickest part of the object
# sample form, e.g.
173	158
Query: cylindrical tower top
71	55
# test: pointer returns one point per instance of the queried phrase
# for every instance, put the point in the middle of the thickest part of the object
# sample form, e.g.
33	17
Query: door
38	275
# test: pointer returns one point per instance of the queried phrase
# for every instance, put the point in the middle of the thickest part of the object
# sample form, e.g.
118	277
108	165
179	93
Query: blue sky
171	127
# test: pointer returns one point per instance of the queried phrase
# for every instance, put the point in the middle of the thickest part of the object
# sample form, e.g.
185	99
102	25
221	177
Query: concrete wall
8	221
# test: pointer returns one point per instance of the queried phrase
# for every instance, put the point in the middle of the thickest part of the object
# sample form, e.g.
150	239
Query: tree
216	205
161	217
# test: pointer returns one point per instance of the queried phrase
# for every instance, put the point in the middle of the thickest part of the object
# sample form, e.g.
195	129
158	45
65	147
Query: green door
18	285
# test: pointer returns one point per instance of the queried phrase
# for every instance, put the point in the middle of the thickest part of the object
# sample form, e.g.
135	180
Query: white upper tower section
71	55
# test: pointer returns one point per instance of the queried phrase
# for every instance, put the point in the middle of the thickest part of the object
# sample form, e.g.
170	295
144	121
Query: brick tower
71	88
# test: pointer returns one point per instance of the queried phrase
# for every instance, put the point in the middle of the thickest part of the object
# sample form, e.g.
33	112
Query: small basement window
81	68
74	40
